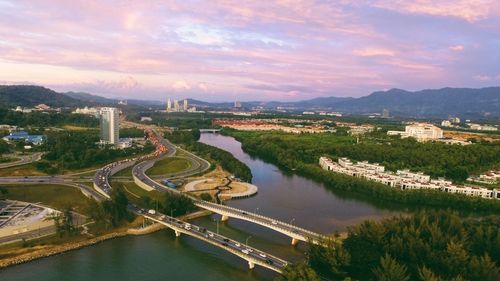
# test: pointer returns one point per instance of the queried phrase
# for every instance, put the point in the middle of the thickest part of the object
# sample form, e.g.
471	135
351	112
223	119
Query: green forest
435	159
427	246
42	119
300	153
80	149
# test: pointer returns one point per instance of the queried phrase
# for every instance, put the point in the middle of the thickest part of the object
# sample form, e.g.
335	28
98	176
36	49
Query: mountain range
464	102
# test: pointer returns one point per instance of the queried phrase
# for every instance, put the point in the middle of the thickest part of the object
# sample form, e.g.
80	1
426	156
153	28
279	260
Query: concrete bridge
296	233
251	255
210	130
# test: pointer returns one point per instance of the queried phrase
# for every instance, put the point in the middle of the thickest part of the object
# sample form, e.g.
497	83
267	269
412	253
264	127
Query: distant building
237	104
87	111
185	105
420	131
176	106
446	123
478	127
169	105
22	135
146	119
385	113
110	125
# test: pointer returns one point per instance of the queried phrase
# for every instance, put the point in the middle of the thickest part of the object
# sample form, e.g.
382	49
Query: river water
161	256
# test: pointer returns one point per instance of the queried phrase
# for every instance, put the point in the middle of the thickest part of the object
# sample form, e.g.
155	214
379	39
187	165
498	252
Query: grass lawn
125	172
21	171
55	196
169	165
134	192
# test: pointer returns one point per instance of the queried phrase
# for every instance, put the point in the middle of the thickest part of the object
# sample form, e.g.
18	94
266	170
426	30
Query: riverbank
40	252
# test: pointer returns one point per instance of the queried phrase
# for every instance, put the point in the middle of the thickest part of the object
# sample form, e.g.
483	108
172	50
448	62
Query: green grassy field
125	172
169	165
134	192
55	196
18	171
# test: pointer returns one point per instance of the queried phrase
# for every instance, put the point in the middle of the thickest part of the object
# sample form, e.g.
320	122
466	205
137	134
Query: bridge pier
295	241
251	265
224	218
177	233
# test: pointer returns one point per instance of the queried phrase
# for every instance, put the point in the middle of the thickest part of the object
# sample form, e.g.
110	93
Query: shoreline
53	250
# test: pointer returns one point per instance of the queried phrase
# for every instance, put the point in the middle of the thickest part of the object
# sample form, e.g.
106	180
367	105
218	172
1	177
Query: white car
262	255
274	222
211	235
245	251
237	244
250	250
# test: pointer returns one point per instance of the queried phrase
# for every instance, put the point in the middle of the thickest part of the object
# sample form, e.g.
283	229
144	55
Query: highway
86	190
252	255
295	232
25	159
166	149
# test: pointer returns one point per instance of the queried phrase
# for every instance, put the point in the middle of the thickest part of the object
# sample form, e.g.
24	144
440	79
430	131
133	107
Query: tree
426	274
329	258
390	270
298	272
3	192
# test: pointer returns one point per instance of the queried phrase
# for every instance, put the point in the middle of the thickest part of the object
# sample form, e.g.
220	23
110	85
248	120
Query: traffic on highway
203	233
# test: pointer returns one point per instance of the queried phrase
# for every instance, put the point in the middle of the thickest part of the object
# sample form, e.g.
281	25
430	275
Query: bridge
210	130
296	233
251	255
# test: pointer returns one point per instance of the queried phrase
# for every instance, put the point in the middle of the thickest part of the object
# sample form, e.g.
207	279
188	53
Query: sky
221	50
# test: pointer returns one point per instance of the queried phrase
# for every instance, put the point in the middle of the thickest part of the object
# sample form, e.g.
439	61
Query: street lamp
291	221
256	209
172	212
217	221
246	241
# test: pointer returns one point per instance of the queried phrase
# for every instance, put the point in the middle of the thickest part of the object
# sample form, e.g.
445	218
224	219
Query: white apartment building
402	179
110	125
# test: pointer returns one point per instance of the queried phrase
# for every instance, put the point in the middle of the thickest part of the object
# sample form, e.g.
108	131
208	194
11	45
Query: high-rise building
385	113
169	105
185	107
110	125
176	106
237	104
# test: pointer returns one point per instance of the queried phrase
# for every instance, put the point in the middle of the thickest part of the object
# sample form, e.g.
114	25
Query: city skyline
220	51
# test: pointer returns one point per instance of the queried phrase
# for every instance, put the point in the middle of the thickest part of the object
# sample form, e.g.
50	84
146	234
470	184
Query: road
86	190
295	232
252	255
25	159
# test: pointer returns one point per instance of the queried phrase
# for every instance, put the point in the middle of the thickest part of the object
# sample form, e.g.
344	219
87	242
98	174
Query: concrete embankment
47	251
57	249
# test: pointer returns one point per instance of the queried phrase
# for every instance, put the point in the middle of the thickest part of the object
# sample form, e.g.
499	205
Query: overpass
210	130
296	233
251	255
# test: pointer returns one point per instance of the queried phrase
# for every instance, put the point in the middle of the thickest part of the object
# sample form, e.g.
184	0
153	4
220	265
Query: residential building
110	125
237	104
185	105
402	179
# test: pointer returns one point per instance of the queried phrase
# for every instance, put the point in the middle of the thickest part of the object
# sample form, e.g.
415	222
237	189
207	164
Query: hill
26	95
484	102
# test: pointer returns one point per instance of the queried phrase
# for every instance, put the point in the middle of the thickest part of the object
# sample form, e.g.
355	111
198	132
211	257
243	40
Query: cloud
203	86
468	10
481	77
457	48
181	85
373	52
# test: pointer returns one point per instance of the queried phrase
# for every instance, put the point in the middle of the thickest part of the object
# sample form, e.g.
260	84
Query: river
160	256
